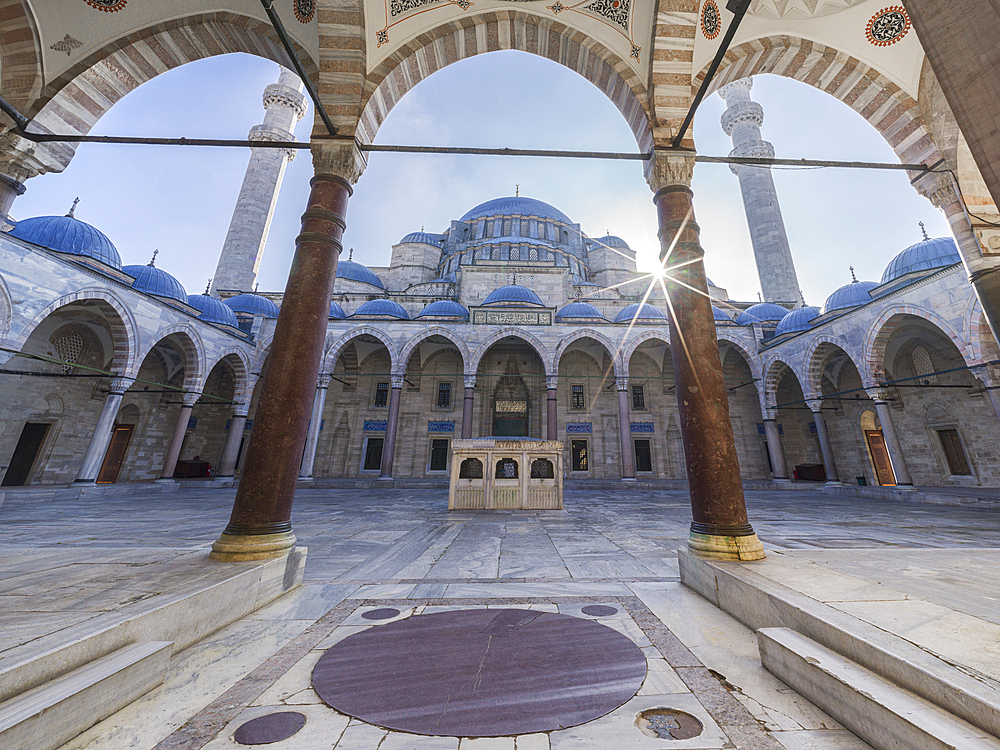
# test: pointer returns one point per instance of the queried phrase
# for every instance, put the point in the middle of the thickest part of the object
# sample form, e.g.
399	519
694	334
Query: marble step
760	602
882	714
54	713
218	594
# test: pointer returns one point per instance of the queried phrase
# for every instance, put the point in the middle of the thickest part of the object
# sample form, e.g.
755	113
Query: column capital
323	381
621	383
118	386
938	188
878	395
190	398
340	158
667	167
551	382
396	381
470	380
241	410
816	406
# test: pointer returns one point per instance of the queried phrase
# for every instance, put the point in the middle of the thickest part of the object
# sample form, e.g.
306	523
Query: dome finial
152	261
256	287
924	230
517	190
207	286
73	208
350	255
759	298
854	279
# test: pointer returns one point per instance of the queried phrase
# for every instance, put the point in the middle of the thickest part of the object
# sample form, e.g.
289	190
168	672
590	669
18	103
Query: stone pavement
371	549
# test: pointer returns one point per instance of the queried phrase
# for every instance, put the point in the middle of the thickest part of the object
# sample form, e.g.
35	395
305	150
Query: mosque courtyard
923	573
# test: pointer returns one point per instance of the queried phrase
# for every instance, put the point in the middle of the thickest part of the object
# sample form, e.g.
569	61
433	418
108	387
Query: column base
386	479
243	547
718	547
906	487
781	480
834	483
164	480
629	479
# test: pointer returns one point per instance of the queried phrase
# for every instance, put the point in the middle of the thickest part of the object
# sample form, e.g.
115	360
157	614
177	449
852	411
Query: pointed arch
515	333
740	346
240	363
588	333
889	109
773	369
815	359
6	311
330	358
193	348
629	349
413	343
885	325
984	345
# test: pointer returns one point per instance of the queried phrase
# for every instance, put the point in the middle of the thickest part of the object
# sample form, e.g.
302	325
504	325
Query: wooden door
880	457
25	453
115	457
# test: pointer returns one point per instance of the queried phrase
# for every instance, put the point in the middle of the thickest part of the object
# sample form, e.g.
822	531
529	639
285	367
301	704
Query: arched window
471	468
506	469
922	366
541	468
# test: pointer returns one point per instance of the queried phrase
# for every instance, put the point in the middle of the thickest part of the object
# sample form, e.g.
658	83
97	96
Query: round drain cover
481	673
599	610
668	724
270	728
386	613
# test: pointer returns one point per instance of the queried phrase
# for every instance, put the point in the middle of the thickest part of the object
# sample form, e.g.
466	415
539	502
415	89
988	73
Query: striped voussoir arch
673	55
499	30
73	102
881	331
889	109
20	54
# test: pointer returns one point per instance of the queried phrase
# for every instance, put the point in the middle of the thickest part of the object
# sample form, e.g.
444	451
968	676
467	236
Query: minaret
742	121
240	259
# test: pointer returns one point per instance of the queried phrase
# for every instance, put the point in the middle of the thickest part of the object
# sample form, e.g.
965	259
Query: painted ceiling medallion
888	26
305	10
108	6
710	21
615	11
799	9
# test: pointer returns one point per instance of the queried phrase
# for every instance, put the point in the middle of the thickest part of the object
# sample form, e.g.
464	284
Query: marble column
470	390
231	449
832	477
892	444
552	411
720	527
625	431
779	470
9	190
392	422
312	438
177	440
260	525
98	446
994	394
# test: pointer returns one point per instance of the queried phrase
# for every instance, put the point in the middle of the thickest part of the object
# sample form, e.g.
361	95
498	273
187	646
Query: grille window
69	349
533	253
576	401
439	455
515	253
373	454
506	228
382	394
638	397
444	395
643	458
496	253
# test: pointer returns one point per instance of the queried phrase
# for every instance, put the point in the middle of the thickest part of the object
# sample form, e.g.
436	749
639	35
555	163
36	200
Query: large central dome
516	206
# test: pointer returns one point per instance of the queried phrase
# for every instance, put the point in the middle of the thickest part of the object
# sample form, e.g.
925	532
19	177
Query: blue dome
212	310
636	311
337	312
513	294
721	315
425	237
516	206
381	307
579	309
849	295
348	269
762	312
925	255
66	234
611	241
153	280
444	308
252	304
797	320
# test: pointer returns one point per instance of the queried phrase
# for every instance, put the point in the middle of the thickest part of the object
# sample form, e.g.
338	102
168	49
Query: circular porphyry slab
599	610
481	673
386	613
270	728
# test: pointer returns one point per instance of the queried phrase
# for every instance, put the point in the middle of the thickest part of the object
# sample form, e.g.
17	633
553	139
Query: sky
179	200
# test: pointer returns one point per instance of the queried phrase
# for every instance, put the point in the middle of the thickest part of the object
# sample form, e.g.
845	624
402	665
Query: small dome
762	312
252	304
579	309
381	307
850	295
425	237
66	234
721	315
156	281
609	240
337	312
516	206
924	256
638	312
513	294
444	308
797	320
348	269
212	310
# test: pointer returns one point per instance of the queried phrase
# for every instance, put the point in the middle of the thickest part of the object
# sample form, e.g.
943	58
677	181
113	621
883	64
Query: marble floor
374	549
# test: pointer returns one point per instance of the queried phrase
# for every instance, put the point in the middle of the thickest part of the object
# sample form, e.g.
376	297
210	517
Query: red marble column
720	527
392	422
625	431
470	391
552	411
180	429
260	525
